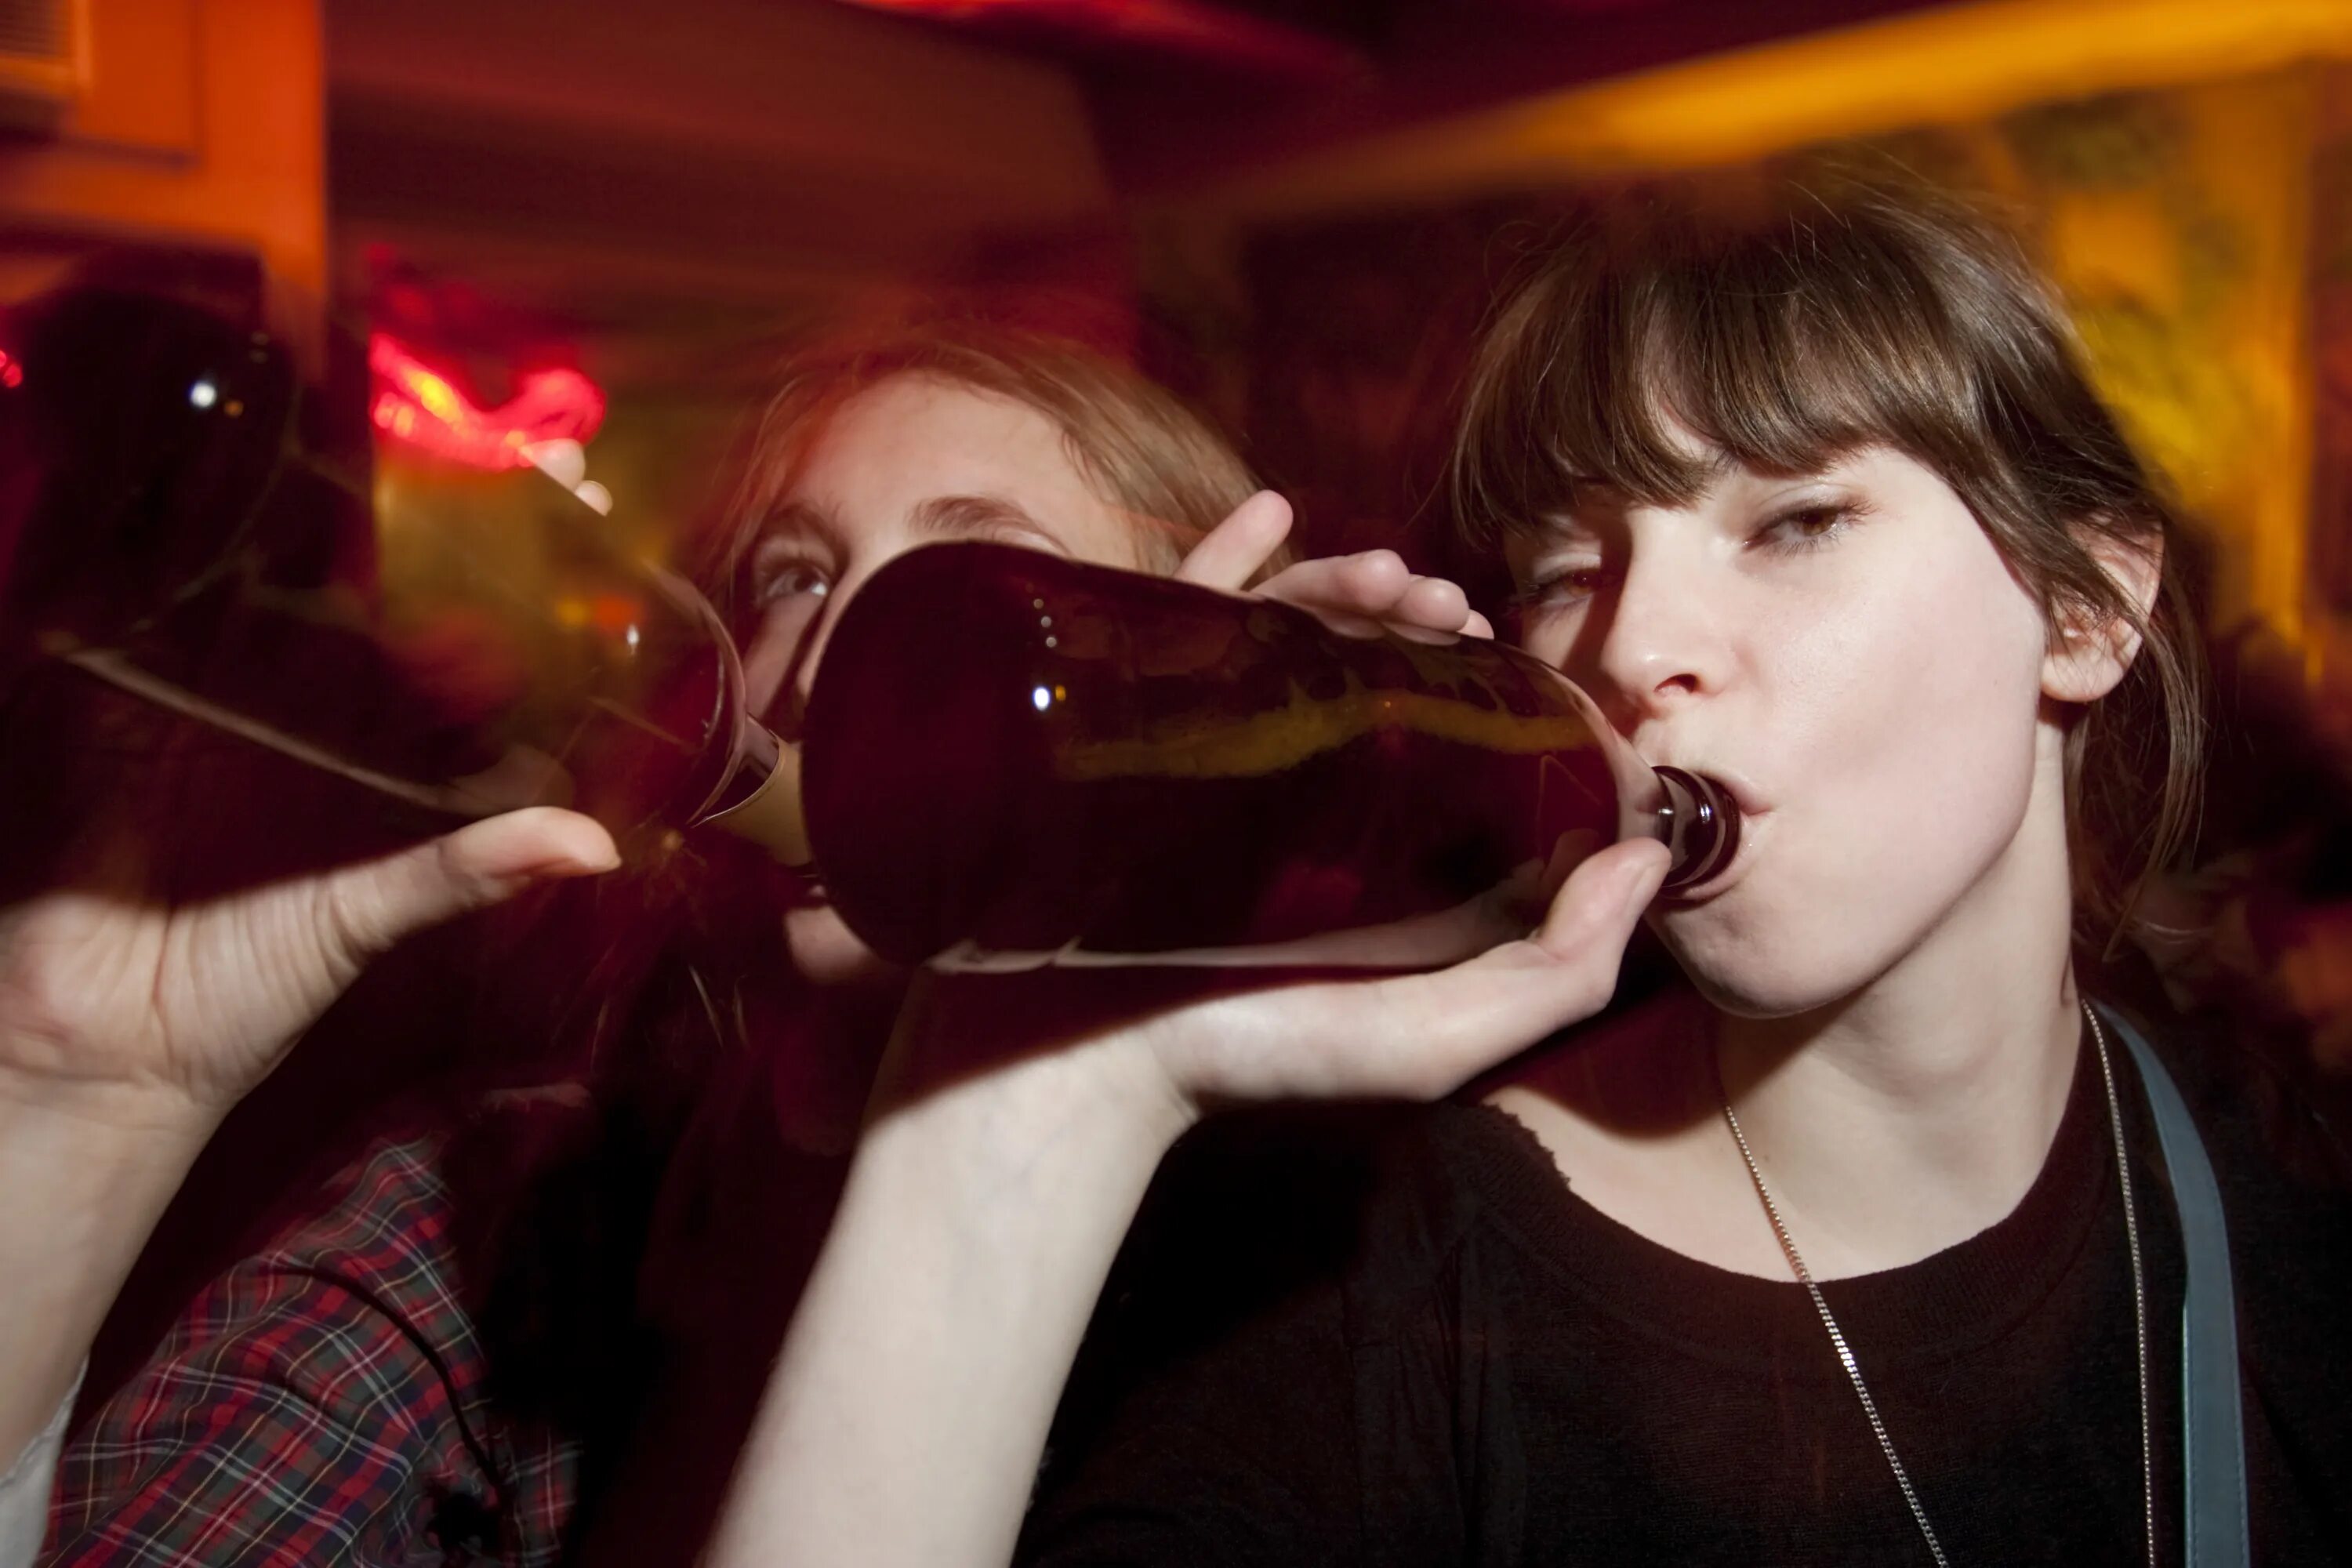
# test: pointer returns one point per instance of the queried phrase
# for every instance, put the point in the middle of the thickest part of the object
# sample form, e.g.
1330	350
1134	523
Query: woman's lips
1742	793
1752	809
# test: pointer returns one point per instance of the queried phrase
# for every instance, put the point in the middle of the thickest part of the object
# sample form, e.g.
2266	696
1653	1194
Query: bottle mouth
1701	824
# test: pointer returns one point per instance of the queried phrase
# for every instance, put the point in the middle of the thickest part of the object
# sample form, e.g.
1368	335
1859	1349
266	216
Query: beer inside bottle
1011	759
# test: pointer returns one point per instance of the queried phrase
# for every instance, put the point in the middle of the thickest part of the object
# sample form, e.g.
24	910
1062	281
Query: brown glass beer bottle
1012	759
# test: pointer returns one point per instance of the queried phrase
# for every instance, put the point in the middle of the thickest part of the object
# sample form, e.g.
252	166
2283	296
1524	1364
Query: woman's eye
1560	589
788	580
1804	528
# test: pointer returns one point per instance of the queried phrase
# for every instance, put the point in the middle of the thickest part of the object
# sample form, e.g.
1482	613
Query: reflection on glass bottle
163	530
1012	759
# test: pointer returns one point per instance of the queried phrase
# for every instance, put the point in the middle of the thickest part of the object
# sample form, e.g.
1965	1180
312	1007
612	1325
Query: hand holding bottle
131	1021
1196	1041
126	1007
1017	1123
1364	594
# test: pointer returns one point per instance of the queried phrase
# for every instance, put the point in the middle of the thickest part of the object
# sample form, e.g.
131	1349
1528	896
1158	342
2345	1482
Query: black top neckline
1945	1306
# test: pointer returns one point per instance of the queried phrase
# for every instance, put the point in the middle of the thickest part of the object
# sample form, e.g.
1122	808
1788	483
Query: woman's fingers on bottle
1434	602
375	904
1464	1021
1364	595
1234	552
1352	595
1435	609
1374	592
1422	1035
1603	898
1572	849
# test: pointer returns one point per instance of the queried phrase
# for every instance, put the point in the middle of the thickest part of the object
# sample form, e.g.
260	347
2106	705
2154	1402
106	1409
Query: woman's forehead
919	456
890	448
918	425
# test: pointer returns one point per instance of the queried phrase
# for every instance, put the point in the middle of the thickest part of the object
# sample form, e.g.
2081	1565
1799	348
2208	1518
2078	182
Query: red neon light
11	372
419	405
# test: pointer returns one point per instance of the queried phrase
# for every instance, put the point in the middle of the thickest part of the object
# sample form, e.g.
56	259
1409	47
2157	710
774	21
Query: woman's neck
1880	1152
1917	1112
1895	1122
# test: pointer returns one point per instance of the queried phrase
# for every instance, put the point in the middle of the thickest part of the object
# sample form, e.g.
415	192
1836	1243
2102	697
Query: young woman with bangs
1875	1243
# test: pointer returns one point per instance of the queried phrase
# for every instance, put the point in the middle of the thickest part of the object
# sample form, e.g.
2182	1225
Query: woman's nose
781	653
811	651
1662	645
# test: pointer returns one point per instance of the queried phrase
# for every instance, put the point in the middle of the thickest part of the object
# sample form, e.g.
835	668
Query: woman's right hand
1416	1037
1018	1118
1017	1123
123	1007
1169	1046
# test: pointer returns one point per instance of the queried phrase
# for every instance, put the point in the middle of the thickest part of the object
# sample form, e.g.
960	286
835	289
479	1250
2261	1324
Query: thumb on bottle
1598	906
377	904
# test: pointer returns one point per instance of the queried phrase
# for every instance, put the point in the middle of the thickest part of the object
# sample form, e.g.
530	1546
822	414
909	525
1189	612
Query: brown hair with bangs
1785	326
1140	448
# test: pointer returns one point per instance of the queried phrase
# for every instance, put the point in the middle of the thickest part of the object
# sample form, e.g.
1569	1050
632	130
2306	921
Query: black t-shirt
1397	1336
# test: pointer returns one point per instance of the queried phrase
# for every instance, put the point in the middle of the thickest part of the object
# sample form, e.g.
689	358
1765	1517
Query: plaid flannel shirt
324	1401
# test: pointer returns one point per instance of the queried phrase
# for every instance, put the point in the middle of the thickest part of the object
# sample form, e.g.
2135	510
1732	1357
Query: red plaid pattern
324	1401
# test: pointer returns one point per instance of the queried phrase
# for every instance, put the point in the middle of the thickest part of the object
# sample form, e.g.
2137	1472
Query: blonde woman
333	1397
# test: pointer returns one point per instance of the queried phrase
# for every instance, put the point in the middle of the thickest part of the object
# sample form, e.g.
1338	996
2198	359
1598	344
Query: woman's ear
2088	658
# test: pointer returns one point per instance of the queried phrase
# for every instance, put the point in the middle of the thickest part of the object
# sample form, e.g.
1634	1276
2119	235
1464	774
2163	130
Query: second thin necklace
1854	1369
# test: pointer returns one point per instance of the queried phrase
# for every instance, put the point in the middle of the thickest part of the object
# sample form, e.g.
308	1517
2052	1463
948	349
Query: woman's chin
1749	979
827	953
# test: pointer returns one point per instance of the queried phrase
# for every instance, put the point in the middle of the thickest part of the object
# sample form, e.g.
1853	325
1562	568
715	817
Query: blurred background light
424	408
486	227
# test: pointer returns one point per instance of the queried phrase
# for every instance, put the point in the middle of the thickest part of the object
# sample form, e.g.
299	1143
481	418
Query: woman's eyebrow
957	517
799	520
1563	527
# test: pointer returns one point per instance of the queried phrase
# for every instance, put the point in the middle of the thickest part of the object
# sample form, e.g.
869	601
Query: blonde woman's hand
1018	1125
1362	595
153	969
121	1005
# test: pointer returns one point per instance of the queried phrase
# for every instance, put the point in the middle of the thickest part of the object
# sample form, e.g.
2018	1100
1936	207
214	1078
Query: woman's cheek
1899	774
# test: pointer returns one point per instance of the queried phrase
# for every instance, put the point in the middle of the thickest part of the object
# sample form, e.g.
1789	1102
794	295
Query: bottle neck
762	800
1700	823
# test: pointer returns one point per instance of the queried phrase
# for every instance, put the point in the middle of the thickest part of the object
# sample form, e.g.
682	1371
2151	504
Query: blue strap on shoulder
2213	1428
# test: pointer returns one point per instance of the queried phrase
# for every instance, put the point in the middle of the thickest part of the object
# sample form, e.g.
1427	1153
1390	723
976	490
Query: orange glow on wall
419	405
195	121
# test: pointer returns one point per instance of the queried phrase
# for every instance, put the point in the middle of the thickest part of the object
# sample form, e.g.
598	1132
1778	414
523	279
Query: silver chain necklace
1853	1370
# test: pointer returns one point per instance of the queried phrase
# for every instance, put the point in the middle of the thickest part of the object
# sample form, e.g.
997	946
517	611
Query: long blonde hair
1140	448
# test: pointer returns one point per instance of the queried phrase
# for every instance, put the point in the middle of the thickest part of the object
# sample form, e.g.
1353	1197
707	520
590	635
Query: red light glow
11	372
418	404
